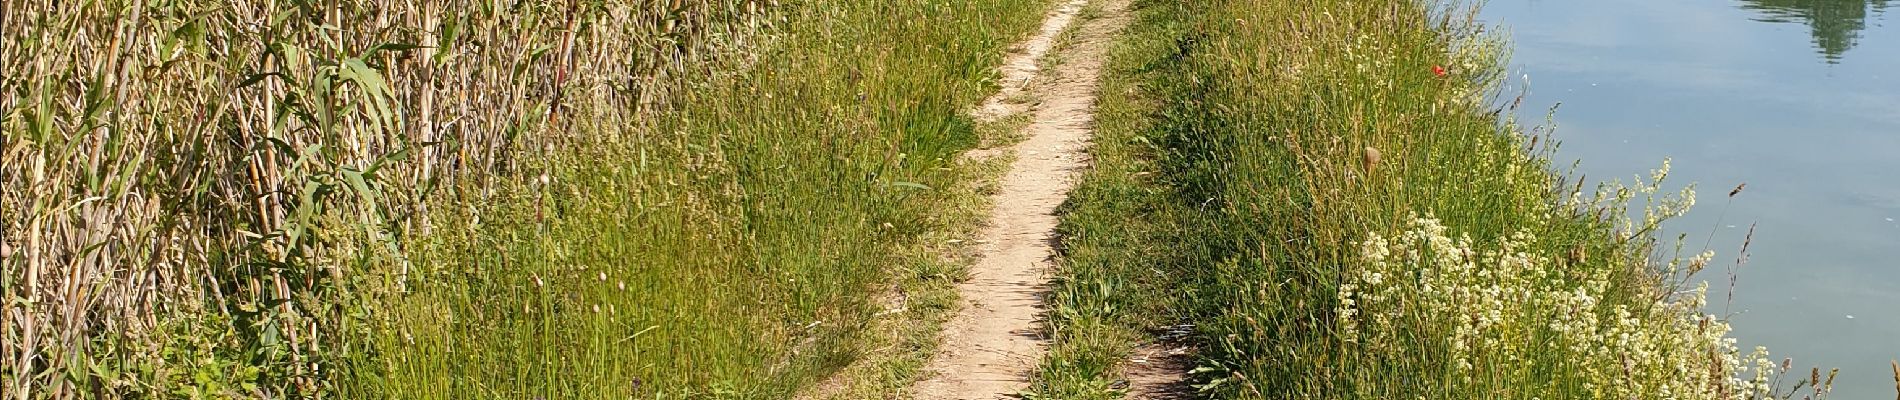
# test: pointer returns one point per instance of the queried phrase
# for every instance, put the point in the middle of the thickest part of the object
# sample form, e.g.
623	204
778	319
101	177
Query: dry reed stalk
167	168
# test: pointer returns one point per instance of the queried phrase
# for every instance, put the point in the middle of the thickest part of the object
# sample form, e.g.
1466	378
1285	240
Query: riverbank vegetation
487	200
1338	200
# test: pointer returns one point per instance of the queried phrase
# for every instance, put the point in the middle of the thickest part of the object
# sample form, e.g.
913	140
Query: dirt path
993	344
1158	371
1021	67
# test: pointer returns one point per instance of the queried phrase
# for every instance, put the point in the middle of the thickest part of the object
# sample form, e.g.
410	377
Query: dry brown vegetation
198	197
433	199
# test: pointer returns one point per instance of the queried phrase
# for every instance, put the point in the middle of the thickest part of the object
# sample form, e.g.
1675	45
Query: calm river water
1798	98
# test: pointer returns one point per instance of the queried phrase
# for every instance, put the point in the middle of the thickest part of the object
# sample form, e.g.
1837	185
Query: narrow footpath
992	346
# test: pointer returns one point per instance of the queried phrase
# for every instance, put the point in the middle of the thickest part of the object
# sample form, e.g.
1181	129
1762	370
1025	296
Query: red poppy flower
1438	70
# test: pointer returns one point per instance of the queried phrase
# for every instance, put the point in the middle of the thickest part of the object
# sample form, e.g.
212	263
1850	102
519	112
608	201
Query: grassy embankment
1338	219
493	200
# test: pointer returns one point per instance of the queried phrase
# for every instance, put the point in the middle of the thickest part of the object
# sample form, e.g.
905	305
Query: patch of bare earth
989	349
1159	370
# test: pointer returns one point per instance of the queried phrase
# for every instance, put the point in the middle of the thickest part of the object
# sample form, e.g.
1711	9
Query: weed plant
1338	200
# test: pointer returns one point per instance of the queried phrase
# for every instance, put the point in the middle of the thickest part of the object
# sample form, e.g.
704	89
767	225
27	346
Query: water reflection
1836	24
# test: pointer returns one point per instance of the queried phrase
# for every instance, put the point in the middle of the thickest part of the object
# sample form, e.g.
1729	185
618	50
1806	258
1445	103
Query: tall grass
729	250
493	199
1337	198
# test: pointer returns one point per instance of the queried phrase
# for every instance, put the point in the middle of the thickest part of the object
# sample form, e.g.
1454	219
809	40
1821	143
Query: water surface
1798	98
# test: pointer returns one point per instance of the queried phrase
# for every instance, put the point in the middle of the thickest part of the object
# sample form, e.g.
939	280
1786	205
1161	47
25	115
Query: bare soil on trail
994	343
1158	371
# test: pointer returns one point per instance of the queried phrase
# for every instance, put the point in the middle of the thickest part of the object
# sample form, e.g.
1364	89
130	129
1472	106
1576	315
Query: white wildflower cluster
1472	57
1490	313
1658	206
1369	60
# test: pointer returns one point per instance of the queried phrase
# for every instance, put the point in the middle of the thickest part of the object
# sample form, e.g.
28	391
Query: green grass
1338	221
1117	260
686	199
752	226
903	335
210	199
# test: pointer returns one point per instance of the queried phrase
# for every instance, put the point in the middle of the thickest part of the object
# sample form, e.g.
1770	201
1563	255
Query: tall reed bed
1337	198
488	199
